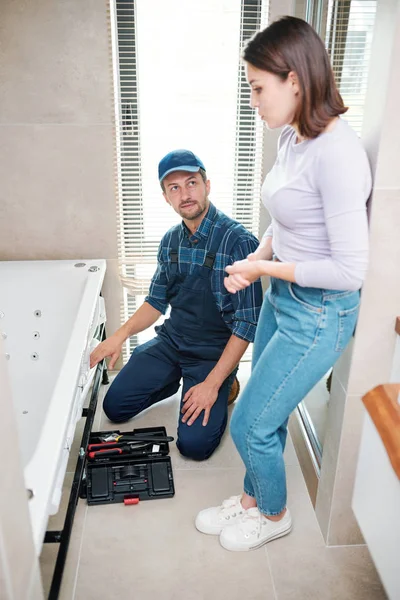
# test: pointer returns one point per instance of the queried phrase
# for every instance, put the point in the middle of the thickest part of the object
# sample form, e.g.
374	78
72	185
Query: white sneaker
254	530
213	520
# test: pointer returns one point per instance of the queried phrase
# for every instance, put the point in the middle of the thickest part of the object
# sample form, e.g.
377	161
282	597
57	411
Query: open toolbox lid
140	472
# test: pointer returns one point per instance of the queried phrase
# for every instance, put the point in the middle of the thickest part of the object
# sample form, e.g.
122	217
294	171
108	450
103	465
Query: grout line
98	416
207	469
347	546
79	555
272	576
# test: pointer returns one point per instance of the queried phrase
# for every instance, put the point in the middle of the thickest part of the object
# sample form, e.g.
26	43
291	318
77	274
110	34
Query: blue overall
188	345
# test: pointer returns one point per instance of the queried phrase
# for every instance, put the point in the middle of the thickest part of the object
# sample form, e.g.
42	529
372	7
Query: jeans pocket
303	296
347	320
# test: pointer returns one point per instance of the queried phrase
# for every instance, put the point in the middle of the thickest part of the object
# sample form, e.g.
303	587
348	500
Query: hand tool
115	437
127	448
134	443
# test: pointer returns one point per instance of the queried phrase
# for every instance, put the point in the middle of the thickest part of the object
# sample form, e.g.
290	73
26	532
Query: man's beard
195	215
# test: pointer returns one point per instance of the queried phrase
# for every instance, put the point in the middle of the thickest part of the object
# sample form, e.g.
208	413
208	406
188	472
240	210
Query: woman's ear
294	82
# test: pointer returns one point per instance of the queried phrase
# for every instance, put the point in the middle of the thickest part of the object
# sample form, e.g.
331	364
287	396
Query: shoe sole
208	532
212	531
256	546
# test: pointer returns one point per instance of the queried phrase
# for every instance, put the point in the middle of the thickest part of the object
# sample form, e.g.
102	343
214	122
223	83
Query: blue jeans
300	335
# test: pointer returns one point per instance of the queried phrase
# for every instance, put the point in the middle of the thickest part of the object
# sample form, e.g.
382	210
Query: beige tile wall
56	125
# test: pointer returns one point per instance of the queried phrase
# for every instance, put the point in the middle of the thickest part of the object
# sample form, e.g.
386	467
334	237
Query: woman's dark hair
291	44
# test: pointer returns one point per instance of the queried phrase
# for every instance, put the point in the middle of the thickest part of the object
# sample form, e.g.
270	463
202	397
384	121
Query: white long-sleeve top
316	194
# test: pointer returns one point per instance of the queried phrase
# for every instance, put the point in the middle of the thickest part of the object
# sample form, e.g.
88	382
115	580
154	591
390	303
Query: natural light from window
187	72
188	80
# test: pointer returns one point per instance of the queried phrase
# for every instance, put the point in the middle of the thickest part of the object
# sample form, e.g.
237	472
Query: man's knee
197	452
113	408
196	448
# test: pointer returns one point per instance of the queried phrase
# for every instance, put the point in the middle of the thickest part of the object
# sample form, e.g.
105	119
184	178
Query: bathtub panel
49	311
36	344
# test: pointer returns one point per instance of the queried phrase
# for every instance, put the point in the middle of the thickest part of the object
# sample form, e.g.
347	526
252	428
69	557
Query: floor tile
49	551
99	409
306	530
154	551
319	573
290	455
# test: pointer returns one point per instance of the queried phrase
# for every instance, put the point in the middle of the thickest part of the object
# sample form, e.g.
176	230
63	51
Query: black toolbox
137	471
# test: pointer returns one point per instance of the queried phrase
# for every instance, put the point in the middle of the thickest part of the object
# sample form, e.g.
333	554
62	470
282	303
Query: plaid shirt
240	311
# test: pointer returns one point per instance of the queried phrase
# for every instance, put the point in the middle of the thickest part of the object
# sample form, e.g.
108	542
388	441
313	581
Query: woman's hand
242	274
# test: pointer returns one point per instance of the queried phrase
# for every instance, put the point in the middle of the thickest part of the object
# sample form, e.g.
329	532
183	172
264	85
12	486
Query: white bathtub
49	312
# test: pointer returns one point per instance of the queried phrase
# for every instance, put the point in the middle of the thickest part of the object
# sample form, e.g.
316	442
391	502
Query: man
208	329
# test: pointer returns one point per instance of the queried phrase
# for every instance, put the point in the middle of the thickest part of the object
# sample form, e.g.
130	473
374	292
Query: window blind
249	131
205	108
349	31
131	239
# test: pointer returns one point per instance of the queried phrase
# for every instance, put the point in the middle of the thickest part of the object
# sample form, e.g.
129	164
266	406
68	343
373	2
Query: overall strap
211	253
217	237
173	252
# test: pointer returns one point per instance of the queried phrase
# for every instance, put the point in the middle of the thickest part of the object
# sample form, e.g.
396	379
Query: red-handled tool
105	452
129	445
102	445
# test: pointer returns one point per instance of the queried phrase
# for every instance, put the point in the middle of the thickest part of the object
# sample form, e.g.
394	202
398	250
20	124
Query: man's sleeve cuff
244	331
157	304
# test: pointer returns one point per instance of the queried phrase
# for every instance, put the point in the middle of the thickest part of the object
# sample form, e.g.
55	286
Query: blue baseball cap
179	160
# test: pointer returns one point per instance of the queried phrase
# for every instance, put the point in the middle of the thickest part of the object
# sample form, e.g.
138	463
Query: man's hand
242	274
198	398
110	347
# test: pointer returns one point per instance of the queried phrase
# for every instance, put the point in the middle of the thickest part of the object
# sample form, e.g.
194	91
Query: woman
316	254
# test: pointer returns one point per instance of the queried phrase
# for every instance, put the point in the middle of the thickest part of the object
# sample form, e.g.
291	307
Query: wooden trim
397	327
384	410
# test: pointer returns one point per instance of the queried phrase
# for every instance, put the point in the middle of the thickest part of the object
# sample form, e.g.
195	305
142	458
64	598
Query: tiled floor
152	551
